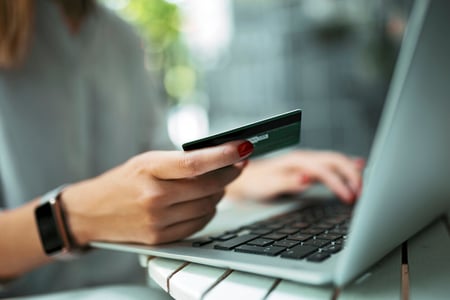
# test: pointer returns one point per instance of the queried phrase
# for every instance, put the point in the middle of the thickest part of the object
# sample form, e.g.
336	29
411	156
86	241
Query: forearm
155	197
20	247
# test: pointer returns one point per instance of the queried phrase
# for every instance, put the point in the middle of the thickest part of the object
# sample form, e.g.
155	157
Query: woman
77	106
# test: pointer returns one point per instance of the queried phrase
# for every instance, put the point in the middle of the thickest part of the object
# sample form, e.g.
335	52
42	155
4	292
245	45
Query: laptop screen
406	185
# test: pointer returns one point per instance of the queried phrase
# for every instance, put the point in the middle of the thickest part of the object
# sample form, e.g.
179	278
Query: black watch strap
53	230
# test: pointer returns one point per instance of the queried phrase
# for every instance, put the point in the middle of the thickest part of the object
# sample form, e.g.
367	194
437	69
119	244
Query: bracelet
55	234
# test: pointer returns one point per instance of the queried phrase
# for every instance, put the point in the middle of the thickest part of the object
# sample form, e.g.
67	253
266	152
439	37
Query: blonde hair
16	26
16	18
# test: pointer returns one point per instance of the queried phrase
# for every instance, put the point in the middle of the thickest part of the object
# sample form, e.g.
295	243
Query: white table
427	276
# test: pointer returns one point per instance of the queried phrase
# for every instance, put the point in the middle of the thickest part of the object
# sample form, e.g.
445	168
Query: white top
79	105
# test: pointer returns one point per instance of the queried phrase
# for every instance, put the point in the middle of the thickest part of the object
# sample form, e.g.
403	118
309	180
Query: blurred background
224	63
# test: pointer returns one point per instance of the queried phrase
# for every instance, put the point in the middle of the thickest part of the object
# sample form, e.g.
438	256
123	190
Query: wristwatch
53	230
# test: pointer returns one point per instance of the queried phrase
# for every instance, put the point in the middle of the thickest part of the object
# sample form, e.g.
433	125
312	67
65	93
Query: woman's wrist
77	224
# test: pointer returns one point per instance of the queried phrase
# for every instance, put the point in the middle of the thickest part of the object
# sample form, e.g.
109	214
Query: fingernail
349	199
245	148
355	187
360	162
305	178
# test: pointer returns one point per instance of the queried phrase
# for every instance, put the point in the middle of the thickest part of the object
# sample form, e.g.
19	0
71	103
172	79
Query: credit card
266	135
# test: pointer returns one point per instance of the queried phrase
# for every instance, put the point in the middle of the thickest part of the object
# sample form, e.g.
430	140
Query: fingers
178	164
348	170
187	189
182	230
242	164
158	196
184	211
334	182
340	173
181	220
360	163
289	183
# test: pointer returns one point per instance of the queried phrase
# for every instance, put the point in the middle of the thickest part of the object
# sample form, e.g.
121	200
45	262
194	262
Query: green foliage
158	20
160	24
180	81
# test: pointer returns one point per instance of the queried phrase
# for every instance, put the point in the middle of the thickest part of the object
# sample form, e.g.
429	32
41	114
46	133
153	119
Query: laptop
406	183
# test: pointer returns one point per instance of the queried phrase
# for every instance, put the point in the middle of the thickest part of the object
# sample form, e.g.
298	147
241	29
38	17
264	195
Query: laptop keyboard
313	233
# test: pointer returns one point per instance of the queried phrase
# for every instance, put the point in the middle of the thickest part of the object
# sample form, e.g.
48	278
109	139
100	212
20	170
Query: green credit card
266	135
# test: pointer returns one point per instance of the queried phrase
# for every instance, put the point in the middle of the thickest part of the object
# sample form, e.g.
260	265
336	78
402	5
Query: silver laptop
406	183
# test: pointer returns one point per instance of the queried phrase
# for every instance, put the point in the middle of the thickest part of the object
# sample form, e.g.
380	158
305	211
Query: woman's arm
155	197
20	246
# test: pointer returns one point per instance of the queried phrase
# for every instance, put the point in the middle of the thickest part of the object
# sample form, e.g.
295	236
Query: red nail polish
360	162
305	179
245	148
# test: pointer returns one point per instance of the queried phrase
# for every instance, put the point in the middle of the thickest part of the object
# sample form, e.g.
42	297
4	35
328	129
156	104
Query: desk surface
426	276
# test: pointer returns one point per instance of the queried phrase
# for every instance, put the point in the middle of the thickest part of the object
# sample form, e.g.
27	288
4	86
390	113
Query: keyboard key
316	243
336	220
299	237
298	252
230	244
300	225
270	250
201	242
294	235
224	237
274	226
318	257
260	242
261	231
312	231
332	249
338	230
324	225
286	243
329	236
288	230
339	242
275	236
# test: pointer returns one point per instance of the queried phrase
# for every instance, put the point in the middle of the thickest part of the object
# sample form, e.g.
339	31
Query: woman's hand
155	197
294	172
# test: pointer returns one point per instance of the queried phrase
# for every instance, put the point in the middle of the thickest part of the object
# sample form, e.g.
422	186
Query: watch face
48	229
